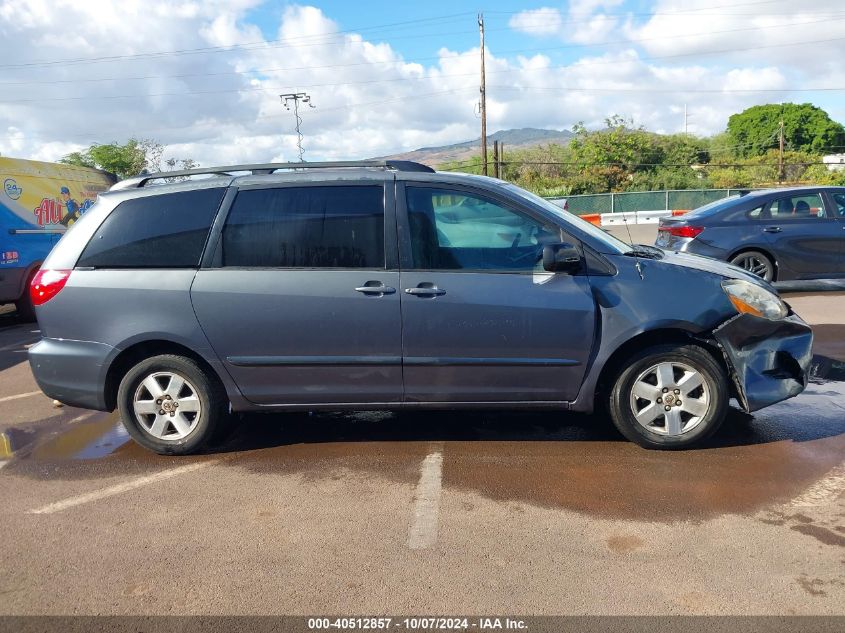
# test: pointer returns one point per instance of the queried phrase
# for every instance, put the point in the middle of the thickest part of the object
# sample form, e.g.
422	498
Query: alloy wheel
670	398
755	264
166	406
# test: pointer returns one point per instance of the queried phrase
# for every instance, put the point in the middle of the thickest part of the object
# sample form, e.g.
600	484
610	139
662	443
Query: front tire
170	405
669	396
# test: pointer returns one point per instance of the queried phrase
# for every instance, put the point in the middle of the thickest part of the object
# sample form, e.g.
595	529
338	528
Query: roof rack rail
268	168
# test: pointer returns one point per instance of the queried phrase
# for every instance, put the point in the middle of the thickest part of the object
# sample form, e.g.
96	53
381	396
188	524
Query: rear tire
170	405
669	397
26	311
756	263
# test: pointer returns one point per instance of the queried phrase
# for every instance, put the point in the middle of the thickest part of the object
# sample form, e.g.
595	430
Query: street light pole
296	97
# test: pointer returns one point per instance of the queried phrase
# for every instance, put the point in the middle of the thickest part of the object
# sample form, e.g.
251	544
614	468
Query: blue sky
450	24
204	76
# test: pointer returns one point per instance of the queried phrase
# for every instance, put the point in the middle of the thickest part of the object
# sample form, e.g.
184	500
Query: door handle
379	289
772	229
423	291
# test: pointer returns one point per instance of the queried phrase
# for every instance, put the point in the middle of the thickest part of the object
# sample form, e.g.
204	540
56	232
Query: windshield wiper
645	251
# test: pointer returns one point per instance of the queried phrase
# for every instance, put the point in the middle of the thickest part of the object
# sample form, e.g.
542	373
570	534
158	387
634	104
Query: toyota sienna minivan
387	285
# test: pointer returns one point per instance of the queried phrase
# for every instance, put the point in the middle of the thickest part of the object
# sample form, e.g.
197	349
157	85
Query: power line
332	66
681	11
279	44
609	89
147	131
40	100
212	49
541	20
673	90
583	164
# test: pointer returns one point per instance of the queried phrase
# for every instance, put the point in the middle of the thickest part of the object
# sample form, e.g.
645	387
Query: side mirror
561	258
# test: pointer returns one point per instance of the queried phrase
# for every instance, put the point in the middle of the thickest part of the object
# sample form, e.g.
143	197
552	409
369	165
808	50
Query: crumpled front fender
769	360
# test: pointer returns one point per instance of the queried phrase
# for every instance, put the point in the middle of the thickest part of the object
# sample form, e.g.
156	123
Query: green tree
125	160
806	128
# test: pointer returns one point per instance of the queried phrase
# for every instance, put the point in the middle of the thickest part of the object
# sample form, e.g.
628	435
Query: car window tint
839	199
306	227
159	231
454	230
797	207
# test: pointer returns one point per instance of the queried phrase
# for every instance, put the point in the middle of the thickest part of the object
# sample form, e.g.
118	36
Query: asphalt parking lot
435	513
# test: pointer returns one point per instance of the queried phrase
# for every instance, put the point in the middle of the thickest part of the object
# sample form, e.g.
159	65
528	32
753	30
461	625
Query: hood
707	264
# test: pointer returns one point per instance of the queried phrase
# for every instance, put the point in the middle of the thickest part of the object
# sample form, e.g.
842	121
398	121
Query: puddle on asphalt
86	439
550	460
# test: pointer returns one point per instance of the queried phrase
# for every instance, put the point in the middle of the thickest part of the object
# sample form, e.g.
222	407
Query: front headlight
750	298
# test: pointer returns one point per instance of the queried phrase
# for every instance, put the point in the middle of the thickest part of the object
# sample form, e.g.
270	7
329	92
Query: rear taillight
47	284
683	231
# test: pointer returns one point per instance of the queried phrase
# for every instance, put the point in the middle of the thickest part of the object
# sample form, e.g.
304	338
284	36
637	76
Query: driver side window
455	230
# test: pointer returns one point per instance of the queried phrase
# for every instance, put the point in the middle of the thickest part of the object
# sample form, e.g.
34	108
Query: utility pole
781	174
296	97
495	159
483	99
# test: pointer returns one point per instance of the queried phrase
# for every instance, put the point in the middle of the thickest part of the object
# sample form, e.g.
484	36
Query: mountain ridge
514	138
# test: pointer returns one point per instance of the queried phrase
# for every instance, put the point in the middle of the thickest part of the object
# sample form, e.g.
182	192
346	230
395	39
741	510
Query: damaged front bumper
769	360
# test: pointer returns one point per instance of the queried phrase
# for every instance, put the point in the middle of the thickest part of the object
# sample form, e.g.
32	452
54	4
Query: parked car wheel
669	396
170	405
756	262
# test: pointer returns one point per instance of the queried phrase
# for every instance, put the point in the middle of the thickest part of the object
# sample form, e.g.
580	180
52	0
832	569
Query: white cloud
586	21
589	6
223	107
543	21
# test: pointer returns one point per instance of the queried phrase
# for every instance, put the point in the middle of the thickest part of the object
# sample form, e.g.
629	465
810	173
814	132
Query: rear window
161	231
306	227
713	207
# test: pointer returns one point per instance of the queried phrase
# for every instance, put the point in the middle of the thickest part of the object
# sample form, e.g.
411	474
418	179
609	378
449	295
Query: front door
481	320
837	199
301	306
805	238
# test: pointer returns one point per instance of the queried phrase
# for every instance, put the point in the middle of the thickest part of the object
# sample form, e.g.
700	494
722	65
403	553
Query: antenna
628	229
296	97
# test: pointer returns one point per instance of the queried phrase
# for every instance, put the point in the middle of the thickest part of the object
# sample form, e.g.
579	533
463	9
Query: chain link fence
673	200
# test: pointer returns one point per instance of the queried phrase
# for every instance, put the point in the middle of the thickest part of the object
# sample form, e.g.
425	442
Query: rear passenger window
306	227
159	231
797	207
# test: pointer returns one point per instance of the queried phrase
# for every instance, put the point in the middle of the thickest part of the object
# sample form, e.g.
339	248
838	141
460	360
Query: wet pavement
521	495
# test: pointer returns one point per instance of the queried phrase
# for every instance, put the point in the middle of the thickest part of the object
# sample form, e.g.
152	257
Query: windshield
606	239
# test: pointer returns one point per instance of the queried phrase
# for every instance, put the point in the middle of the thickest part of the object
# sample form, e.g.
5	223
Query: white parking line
96	495
424	520
20	395
17	346
823	491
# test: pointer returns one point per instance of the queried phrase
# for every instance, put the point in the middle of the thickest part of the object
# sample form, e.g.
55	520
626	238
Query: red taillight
46	284
683	231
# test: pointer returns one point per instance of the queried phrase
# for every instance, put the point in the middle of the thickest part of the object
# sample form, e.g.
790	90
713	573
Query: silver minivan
181	297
